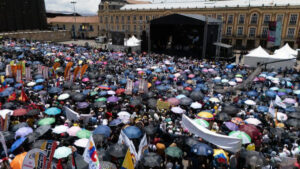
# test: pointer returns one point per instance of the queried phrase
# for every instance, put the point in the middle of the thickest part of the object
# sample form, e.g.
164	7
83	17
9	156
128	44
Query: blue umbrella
53	111
39	76
38	87
158	70
271	93
17	144
9	80
115	122
132	132
229	66
21	56
262	109
54	90
18	85
290	109
161	88
148	72
202	149
252	93
123	81
105	130
4	94
39	80
103	93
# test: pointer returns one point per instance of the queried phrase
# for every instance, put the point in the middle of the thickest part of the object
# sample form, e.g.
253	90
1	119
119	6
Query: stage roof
188	19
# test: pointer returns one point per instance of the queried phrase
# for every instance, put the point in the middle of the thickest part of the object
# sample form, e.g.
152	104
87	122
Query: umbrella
151	160
289	101
262	109
46	121
30	84
115	122
246	139
271	93
81	142
174	101
60	129
4	112
237	120
150	130
205	115
20	125
185	101
101	99
253	158
251	130
202	122
132	132
196	105
82	105
40	131
9	105
17	162
107	165
83	134
24	131
253	121
177	110
250	102
252	93
281	116
222	117
152	103
221	156
293	122
174	152
78	97
62	152
196	95
231	126
73	130
136	101
100	104
113	99
17	144
54	90
214	100
33	112
53	111
117	150
104	130
190	141
294	115
202	149
20	112
63	96
230	109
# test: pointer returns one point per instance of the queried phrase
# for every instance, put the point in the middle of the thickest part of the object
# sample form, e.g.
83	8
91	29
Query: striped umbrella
246	139
237	120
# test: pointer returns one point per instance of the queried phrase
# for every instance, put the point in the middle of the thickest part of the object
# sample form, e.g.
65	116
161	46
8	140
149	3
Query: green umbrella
174	152
93	93
46	121
246	139
56	60
239	75
282	90
202	122
102	99
83	134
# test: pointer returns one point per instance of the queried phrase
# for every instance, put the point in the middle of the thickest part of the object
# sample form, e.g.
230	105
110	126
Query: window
134	18
267	19
254	18
240	31
101	19
141	28
293	19
128	27
134	27
242	19
111	19
117	19
147	18
220	17
91	28
141	18
252	32
122	19
123	27
264	33
291	32
106	19
112	27
279	18
128	19
209	15
230	19
64	27
228	31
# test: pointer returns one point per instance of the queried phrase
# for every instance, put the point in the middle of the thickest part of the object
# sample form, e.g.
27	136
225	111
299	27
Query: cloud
82	6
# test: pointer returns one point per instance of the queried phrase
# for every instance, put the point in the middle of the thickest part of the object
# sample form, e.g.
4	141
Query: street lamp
74	10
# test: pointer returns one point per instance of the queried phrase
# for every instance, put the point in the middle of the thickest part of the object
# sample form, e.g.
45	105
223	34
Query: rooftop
173	4
70	19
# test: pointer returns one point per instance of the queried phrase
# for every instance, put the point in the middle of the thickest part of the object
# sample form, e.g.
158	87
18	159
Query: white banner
272	109
129	87
8	71
2	139
279	102
45	72
143	147
71	114
123	139
29	160
287	162
28	73
19	76
225	142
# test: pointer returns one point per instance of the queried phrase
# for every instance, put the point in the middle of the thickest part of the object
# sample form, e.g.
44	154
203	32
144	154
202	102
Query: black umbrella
253	158
31	137
20	125
38	143
40	131
117	150
186	101
152	103
151	160
185	92
67	84
196	95
9	105
8	135
33	112
79	97
99	139
294	115
54	90
103	155
190	141
223	117
294	123
136	101
93	75
76	87
101	104
79	162
150	94
150	130
230	109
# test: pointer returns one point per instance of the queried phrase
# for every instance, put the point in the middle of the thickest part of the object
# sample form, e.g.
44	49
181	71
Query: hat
273	153
104	122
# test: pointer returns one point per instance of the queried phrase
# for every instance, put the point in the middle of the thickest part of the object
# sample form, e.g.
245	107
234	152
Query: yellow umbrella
149	85
205	115
221	156
17	162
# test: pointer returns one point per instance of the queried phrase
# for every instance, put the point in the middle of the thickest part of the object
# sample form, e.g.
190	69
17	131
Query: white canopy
286	49
282	55
132	42
258	52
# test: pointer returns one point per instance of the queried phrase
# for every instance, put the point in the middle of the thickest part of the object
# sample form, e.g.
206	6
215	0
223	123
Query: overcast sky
82	6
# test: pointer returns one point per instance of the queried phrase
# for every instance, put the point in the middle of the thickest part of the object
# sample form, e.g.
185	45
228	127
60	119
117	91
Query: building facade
245	24
82	27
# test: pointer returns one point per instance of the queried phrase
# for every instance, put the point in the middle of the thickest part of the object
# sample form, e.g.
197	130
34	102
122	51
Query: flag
45	162
127	163
8	71
23	96
143	147
19	76
12	97
28	74
279	102
83	70
40	69
90	155
272	109
123	139
129	87
67	69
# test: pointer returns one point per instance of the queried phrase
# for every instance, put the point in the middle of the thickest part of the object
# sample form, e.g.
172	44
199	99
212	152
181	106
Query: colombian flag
127	163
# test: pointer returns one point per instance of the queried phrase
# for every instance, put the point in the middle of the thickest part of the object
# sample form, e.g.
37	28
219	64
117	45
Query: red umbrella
237	120
188	88
253	132
20	112
173	101
120	91
261	79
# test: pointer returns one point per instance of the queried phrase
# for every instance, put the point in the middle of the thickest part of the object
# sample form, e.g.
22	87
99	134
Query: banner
56	65
8	71
162	105
23	67
90	155
29	160
287	162
2	139
272	109
278	33
6	122
127	162
49	147
40	69
83	70
279	102
271	33
76	71
71	114
228	143
28	73
123	139
143	148
19	76
45	72
129	87
143	86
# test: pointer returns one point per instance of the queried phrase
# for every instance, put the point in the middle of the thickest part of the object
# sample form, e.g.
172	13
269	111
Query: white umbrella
250	102
253	121
4	112
111	92
281	116
239	80
214	100
232	83
177	110
62	152
63	96
124	116
224	81
177	74
30	84
60	129
196	105
81	142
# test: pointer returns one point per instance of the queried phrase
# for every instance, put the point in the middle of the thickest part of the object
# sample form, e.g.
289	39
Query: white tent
286	49
258	52
132	42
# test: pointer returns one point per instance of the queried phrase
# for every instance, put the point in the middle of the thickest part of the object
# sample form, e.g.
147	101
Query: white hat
104	122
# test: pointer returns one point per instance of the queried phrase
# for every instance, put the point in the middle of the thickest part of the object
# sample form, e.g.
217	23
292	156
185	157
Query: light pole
74	10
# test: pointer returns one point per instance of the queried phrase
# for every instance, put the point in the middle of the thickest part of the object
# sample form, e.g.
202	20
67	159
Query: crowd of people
68	93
